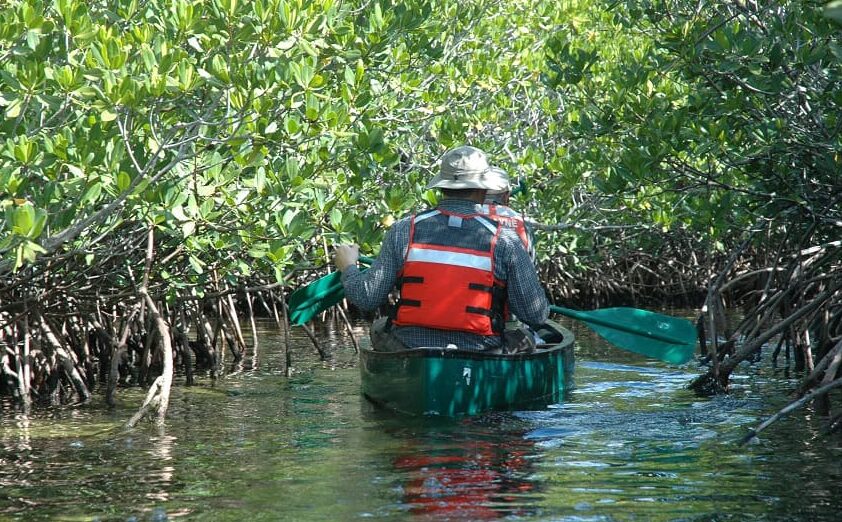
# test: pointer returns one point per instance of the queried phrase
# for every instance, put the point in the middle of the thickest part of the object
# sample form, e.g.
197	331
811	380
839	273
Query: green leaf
123	181
188	228
107	115
92	194
259	179
74	170
38	224
23	219
288	216
207	208
196	264
336	219
308	48
148	57
377	16
292	125
14	109
350	77
27	251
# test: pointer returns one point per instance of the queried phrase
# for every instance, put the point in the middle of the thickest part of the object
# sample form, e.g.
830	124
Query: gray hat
464	167
500	178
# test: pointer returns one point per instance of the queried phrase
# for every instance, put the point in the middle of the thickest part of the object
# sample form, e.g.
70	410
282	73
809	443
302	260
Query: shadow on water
630	443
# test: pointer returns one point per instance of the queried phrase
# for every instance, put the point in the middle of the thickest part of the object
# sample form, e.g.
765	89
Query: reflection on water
630	443
462	469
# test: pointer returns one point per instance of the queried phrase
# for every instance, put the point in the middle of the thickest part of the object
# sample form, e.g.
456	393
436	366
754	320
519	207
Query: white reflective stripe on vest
487	224
422	217
443	257
507	212
498	210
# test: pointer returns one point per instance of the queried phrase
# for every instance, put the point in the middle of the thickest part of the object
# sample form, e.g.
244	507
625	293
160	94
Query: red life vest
508	218
450	287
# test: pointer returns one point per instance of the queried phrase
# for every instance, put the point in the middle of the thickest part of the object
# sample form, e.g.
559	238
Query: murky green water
629	444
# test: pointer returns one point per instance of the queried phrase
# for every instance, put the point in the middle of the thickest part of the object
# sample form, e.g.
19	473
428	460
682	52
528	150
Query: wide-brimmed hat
500	178
464	167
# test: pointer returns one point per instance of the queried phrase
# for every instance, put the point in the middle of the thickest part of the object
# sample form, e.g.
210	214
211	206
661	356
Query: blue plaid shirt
527	300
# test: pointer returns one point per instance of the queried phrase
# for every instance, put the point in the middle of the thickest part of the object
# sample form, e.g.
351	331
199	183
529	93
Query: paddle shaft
654	335
587	318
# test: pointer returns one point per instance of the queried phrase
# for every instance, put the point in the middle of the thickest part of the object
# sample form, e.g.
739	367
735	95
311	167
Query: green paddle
305	303
670	339
660	336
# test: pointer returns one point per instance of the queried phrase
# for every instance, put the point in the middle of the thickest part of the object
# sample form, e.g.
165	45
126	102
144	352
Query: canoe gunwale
542	351
451	353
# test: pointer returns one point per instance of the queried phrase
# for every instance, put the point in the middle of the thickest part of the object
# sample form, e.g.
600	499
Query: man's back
511	265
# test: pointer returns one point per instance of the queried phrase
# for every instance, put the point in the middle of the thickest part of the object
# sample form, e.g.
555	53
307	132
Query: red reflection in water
468	479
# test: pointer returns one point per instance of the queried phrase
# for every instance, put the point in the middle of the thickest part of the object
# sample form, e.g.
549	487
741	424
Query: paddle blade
307	302
670	339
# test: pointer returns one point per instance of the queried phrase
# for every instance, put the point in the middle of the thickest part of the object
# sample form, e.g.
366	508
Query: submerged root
707	386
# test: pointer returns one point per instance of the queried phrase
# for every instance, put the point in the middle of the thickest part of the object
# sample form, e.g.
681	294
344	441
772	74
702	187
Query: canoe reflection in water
469	477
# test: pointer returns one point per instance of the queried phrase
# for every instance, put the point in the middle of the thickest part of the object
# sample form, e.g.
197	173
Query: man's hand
345	256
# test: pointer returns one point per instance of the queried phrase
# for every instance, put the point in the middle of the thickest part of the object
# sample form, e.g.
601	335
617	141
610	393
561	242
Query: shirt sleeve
530	233
527	299
367	289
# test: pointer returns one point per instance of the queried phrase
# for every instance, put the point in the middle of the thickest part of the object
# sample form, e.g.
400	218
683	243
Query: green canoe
453	382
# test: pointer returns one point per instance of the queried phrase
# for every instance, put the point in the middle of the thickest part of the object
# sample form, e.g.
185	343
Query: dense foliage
718	122
183	149
178	151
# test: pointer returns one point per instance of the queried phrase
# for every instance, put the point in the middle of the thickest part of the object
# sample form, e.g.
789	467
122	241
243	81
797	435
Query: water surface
630	443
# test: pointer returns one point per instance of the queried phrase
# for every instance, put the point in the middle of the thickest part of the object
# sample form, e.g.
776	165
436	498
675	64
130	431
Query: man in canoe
496	206
456	269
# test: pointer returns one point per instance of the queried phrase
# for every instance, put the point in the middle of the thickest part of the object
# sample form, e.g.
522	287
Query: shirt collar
459	206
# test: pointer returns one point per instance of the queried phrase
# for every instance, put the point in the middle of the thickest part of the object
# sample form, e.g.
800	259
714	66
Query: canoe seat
550	333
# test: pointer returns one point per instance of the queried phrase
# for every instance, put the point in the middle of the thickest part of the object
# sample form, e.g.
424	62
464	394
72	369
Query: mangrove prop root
350	329
789	408
316	344
62	315
153	397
